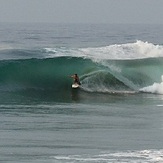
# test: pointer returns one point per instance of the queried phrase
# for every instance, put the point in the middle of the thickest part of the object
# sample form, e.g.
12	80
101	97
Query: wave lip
137	50
128	51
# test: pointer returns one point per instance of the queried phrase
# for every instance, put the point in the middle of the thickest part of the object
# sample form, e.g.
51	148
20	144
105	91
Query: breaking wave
125	68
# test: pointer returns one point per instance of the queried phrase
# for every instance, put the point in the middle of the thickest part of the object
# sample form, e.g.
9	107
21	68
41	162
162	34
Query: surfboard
75	85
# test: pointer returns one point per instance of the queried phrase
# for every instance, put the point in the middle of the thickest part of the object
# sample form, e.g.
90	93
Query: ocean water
116	114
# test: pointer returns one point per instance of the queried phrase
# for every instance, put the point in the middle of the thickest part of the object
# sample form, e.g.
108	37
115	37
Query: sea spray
155	88
128	51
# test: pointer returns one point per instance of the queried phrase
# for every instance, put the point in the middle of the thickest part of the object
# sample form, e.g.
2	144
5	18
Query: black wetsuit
76	80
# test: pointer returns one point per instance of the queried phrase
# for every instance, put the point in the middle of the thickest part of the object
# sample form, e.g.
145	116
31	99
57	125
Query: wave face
52	74
40	73
126	68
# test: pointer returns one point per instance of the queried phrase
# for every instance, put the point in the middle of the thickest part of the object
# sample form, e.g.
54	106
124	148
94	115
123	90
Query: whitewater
131	53
116	114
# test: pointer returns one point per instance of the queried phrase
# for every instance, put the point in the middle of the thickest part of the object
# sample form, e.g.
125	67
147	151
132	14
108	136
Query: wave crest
137	50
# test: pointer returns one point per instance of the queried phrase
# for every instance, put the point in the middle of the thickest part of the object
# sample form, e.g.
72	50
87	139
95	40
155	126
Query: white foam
137	50
155	88
160	105
149	156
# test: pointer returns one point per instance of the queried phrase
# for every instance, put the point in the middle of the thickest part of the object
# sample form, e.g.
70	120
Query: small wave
146	156
5	47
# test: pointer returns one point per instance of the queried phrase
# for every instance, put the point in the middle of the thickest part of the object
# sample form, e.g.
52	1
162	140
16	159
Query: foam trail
155	88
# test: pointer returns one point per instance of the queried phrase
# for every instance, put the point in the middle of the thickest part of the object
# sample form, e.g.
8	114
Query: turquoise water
116	114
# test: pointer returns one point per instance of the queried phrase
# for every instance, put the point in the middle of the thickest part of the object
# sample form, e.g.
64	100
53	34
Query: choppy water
116	115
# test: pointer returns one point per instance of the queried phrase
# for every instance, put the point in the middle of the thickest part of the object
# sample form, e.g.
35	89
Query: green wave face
43	73
102	76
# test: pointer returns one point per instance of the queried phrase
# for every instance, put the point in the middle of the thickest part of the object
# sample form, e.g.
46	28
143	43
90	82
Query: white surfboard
75	85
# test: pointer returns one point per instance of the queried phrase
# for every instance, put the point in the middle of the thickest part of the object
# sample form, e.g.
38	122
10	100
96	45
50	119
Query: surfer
76	79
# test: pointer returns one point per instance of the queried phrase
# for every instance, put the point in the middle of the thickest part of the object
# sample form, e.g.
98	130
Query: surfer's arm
71	76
